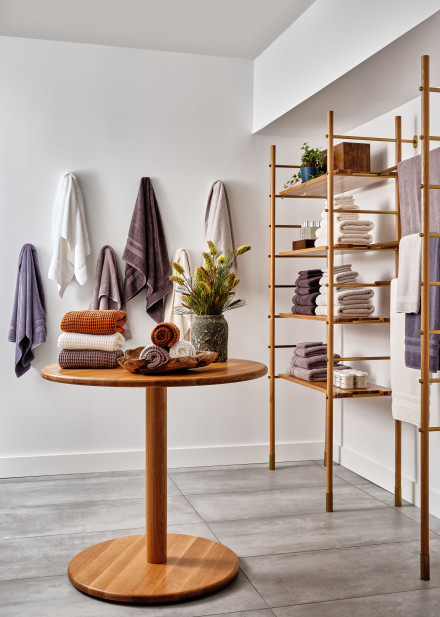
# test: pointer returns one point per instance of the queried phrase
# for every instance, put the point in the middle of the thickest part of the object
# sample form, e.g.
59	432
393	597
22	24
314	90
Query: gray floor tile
413	512
406	604
257	613
319	576
56	597
243	466
380	493
50	555
278	502
347	474
86	516
313	532
232	480
72	489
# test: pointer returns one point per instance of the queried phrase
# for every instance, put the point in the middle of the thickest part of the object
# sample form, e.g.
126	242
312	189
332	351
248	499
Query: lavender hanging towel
28	322
107	292
146	254
413	320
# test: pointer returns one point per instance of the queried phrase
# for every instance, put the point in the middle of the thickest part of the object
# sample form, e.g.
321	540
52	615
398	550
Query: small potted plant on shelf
207	295
313	164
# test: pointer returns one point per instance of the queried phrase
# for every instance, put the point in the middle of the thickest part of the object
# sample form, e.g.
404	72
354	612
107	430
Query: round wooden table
155	567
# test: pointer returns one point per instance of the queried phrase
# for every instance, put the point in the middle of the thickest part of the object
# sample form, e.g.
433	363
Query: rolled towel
88	358
154	356
165	334
94	322
100	342
183	349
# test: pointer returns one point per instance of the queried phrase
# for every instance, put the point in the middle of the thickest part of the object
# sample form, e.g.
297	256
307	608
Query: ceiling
233	28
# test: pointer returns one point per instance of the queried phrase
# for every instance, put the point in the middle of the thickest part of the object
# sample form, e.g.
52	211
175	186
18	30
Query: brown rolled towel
89	358
165	334
154	356
94	322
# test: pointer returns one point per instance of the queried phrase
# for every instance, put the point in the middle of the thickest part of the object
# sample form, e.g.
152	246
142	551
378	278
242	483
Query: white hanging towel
183	322
218	226
70	240
408	283
405	401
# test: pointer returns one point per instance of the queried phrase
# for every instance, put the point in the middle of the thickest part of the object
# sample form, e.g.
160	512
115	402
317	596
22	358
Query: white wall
325	43
111	116
366	425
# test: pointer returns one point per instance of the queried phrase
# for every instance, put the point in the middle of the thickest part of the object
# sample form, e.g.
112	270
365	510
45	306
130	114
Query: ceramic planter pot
210	333
307	173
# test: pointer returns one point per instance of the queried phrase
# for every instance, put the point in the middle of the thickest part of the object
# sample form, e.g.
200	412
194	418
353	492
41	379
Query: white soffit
232	28
385	81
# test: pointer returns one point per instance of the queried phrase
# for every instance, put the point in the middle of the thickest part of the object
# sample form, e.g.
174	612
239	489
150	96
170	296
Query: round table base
117	569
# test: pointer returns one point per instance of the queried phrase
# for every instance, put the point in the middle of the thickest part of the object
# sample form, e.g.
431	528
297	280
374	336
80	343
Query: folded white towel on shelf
103	342
349	216
408	283
344	297
360	240
337	269
347	311
348	226
405	402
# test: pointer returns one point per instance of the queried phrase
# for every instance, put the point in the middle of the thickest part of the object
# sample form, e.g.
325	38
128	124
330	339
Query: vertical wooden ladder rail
330	317
397	423
272	309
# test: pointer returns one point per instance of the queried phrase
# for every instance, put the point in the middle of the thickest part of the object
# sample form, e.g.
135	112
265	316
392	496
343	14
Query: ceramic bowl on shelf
131	362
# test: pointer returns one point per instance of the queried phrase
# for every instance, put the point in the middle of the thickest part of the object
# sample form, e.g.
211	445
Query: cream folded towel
360	240
341	277
405	402
346	297
174	299
360	310
70	240
360	226
104	342
408	283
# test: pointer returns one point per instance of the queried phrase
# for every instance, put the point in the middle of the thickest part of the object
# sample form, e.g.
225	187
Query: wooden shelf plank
343	182
321	386
338	320
321	251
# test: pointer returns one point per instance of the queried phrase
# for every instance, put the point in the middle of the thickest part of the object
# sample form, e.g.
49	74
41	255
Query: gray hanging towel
107	289
146	254
28	322
413	353
218	225
410	177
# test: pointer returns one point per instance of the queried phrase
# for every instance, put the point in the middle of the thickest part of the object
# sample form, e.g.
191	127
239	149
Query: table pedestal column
154	567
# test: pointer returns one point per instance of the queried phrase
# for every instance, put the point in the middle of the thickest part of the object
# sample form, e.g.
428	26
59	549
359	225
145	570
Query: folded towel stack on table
91	339
347	227
306	292
309	362
347	301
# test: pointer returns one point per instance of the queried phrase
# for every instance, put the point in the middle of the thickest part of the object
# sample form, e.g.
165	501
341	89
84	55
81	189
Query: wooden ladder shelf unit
325	187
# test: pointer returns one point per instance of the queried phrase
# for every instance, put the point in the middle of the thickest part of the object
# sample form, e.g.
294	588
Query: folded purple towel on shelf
315	374
306	299
308	282
306	274
304	291
312	362
309	344
309	352
297	309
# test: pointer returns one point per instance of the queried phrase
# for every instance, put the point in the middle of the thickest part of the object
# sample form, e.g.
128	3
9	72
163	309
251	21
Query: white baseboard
384	476
14	467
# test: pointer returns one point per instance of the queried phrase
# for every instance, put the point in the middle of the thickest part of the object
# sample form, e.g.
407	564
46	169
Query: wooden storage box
352	156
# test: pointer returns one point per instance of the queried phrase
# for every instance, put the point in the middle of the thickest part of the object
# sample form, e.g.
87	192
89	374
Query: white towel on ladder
408	283
406	397
183	322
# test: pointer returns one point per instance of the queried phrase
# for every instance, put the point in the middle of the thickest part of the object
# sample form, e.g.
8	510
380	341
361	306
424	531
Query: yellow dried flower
212	248
177	279
178	268
221	260
230	281
204	286
243	249
235	283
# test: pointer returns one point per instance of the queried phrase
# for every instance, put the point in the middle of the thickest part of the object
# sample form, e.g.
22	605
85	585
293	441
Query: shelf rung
412	141
282	346
430	186
287	166
283	286
432	235
434	332
434	283
375	284
360	358
363	211
286	226
434	89
430	429
434	380
300	196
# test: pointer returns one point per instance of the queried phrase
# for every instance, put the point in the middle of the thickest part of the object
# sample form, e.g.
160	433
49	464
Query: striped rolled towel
88	358
100	342
165	334
94	322
183	349
154	356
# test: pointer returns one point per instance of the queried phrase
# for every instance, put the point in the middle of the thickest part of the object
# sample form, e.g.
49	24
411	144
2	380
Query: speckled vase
210	333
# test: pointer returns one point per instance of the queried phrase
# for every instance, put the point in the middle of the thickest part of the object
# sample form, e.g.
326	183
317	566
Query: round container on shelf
360	379
210	333
347	380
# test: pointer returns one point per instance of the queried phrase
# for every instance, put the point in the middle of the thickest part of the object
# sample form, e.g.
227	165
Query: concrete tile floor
296	560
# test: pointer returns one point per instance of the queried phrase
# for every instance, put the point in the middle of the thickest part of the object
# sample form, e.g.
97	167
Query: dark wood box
352	156
302	244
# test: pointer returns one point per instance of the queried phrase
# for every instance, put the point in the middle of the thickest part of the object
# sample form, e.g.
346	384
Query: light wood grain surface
118	570
223	372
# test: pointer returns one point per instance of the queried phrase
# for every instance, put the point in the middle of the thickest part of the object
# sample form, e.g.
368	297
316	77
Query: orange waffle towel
94	322
165	334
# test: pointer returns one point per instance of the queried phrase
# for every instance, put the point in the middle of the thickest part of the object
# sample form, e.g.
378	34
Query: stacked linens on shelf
347	226
306	292
91	339
309	362
347	301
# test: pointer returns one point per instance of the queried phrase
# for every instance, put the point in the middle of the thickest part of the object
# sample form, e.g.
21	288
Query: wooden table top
217	373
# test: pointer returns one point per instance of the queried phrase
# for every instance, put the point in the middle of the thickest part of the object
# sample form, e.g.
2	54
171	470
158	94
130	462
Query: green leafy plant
310	156
211	290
